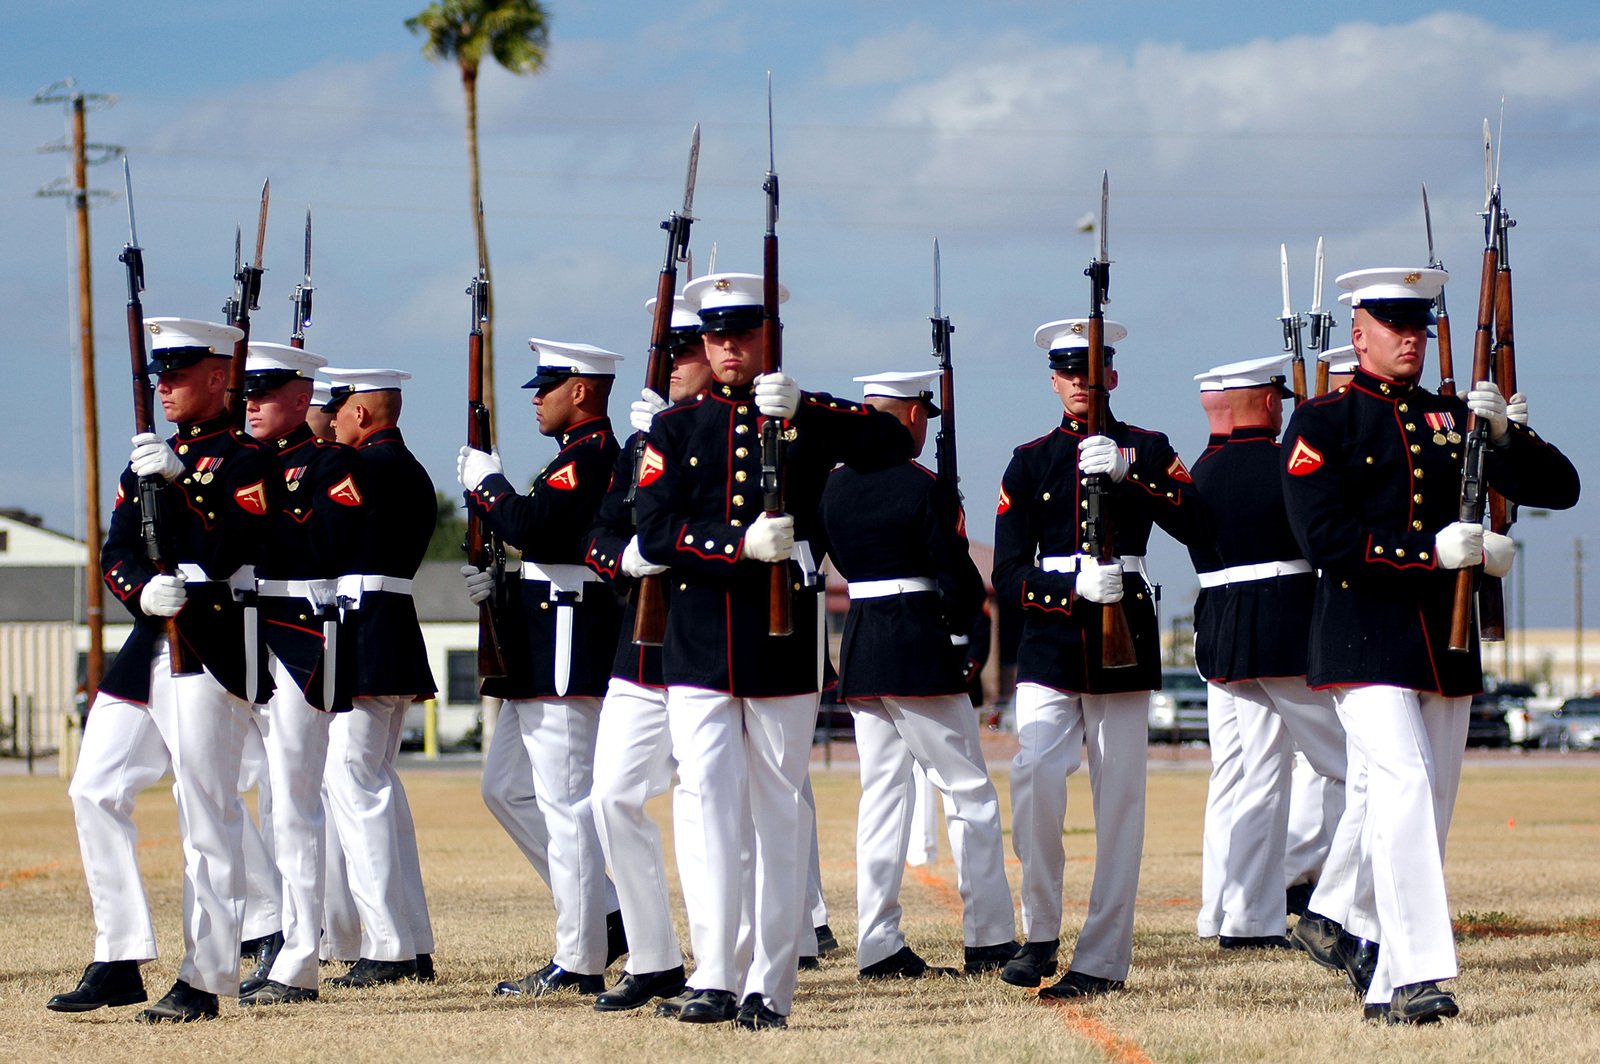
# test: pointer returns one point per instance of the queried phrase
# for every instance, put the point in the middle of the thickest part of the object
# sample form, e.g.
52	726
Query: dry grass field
1525	887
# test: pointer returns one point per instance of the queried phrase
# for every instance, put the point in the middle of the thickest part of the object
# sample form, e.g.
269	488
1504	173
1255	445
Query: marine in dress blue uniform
537	772
898	536
365	794
219	490
1259	612
1372	475
742	703
1064	697
316	537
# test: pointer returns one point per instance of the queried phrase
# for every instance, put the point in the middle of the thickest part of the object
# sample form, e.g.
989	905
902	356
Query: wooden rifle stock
649	596
1472	494
1298	365
1116	637
484	551
1502	513
779	621
1322	376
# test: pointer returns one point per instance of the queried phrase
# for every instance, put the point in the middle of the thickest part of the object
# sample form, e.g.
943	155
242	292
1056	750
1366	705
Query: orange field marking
948	895
1114	1046
22	875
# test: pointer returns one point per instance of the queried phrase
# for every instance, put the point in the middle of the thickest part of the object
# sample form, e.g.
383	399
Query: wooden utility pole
1577	618
80	194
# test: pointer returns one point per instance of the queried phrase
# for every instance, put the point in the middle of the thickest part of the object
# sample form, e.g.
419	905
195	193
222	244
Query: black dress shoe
633	991
808	964
1298	897
549	980
1078	985
1421	1003
670	1007
261	959
1253	942
1374	1013
1319	937
1359	959
827	942
425	968
709	1006
755	1016
616	937
981	959
902	964
367	972
182	1004
1032	963
104	983
275	993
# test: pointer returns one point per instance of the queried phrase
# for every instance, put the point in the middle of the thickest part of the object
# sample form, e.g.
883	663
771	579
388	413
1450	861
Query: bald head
1255	408
1219	416
364	413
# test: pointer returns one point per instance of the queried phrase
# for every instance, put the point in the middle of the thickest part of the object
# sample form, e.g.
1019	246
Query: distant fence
38	668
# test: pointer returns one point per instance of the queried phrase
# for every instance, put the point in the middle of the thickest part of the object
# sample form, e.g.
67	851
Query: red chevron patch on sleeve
1178	471
345	492
1304	459
651	466
565	478
1005	502
253	498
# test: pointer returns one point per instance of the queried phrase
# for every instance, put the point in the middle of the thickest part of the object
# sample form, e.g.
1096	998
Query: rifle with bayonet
1447	366
301	296
778	610
1502	512
1116	638
246	298
1292	324
1473	488
650	602
484	549
944	444
1321	323
153	487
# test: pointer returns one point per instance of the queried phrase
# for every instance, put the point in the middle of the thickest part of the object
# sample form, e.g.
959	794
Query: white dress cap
1252	373
169	333
348	381
1208	381
265	357
1392	282
899	385
321	392
1339	359
560	359
683	315
718	291
1072	334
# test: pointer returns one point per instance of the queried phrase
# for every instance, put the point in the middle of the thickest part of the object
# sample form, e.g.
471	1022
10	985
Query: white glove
1459	545
1099	581
777	395
480	582
1489	405
474	467
770	539
151	457
634	563
644	410
1100	454
163	595
1517	408
1498	553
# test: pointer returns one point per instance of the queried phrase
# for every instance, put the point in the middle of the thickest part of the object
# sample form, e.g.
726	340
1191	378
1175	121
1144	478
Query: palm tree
515	33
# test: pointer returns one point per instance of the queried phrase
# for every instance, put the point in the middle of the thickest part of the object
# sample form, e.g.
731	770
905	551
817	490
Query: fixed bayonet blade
1427	224
938	311
1105	206
307	281
1283	267
238	245
1500	141
1316	281
127	184
694	170
1488	165
261	224
770	186
711	260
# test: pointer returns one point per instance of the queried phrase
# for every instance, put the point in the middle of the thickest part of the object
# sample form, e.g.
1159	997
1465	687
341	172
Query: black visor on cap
1405	313
341	392
168	358
262	381
681	341
1075	359
549	376
731	319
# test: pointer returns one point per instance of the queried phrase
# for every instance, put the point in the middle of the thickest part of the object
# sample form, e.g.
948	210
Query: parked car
1576	725
1488	724
1178	710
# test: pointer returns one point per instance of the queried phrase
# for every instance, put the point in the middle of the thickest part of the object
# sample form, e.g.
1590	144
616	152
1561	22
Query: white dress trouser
262	887
1222	790
378	843
194	726
736	755
1412	743
341	919
297	747
927	819
1315	805
632	765
536	782
941	735
1053	727
1275	716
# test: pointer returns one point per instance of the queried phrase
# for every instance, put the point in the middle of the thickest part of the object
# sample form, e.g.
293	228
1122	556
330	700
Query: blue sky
1226	128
